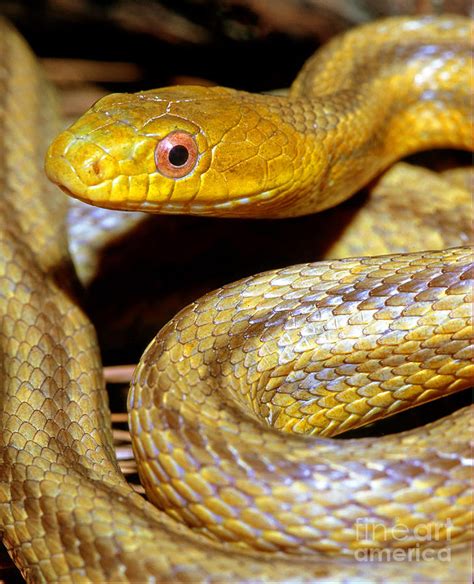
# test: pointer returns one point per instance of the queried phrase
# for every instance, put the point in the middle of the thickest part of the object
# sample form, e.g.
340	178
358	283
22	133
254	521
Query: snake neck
394	99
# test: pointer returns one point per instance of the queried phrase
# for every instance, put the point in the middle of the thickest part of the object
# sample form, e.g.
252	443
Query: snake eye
176	154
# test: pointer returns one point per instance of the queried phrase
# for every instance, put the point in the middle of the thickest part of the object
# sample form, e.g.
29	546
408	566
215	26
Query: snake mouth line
62	173
234	208
159	207
230	208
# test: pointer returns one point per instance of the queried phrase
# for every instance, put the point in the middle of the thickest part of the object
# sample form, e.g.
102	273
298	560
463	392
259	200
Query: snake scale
226	400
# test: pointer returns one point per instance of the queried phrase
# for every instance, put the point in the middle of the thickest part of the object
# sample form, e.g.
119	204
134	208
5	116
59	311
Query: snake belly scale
226	398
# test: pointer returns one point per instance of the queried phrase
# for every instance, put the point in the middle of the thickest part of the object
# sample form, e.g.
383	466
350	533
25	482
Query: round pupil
178	155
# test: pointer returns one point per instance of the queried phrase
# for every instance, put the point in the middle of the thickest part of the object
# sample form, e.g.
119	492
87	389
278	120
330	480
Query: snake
234	404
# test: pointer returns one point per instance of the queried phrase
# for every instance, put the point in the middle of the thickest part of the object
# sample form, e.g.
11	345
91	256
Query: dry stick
73	71
119	373
121	435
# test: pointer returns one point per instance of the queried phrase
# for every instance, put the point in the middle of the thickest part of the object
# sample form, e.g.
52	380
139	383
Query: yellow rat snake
226	400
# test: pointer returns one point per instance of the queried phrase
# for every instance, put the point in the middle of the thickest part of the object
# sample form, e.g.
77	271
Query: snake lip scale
234	404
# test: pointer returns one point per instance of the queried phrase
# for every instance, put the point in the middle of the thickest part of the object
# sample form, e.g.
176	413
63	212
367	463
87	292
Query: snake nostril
95	167
94	170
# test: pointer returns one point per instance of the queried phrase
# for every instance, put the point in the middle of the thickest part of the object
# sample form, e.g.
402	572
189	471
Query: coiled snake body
226	395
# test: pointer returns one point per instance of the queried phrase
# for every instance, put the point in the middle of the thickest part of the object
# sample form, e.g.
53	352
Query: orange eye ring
176	154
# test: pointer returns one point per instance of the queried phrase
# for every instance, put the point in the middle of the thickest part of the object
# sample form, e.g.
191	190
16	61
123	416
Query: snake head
195	150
